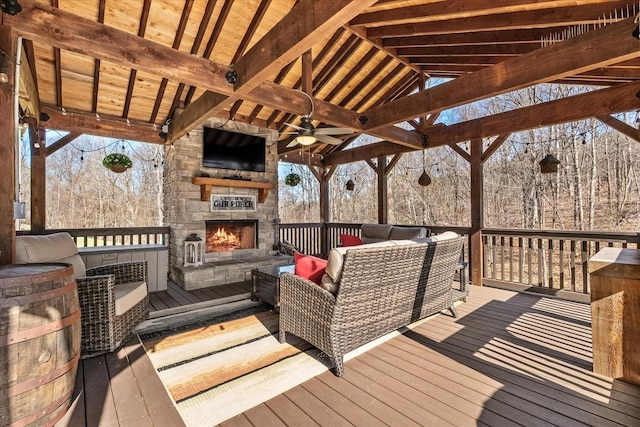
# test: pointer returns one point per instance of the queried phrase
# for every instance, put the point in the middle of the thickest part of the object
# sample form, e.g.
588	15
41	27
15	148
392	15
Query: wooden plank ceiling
124	68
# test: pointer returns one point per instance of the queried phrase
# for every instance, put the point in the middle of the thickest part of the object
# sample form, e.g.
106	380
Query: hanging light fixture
425	179
306	137
549	164
4	67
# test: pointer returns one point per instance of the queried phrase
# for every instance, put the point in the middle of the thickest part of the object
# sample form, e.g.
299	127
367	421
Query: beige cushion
445	236
57	247
375	232
128	295
407	233
336	257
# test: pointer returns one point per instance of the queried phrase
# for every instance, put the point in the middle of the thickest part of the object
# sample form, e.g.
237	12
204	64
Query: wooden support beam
199	111
477	212
383	193
307	73
494	146
601	47
7	152
29	98
323	175
392	163
460	151
371	165
60	143
110	127
601	102
38	177
621	127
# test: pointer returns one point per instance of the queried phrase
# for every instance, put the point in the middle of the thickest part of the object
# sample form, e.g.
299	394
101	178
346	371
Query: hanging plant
117	162
292	179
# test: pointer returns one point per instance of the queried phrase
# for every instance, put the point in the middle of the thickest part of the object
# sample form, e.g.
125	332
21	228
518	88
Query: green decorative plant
292	179
117	162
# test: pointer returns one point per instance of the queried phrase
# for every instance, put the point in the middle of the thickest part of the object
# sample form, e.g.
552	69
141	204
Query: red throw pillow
310	267
350	240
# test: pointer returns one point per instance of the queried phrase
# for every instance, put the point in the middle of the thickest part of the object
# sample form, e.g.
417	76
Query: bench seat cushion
128	295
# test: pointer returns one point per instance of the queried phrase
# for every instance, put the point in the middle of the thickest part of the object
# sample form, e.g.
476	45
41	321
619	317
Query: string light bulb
97	117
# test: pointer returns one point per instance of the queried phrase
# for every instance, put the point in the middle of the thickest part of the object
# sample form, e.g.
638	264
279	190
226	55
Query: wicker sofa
113	298
381	288
372	233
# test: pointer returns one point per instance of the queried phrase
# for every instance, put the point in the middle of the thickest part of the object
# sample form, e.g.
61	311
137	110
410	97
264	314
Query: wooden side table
615	313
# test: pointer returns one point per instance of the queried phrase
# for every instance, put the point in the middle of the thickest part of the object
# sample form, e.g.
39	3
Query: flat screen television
232	150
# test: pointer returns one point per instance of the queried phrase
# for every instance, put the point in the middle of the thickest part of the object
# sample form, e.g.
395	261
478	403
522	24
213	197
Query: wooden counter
615	313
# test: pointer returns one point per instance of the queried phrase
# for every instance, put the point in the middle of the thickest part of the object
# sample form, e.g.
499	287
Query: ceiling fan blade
327	139
294	126
332	131
293	143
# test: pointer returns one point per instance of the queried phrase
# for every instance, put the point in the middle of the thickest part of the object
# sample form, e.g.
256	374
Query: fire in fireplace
231	235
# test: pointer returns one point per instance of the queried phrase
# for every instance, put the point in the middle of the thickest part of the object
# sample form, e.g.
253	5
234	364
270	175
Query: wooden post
7	152
38	177
477	212
383	205
324	210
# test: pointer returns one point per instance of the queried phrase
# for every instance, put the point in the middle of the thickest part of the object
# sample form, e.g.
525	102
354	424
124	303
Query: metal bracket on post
231	76
425	141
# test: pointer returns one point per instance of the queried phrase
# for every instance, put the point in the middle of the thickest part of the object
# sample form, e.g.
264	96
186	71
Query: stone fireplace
189	209
231	235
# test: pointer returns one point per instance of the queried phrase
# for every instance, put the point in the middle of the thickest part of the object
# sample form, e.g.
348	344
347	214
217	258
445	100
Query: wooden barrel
39	342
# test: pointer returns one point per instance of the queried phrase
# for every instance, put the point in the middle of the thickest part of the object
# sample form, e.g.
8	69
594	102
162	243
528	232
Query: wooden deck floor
175	296
509	359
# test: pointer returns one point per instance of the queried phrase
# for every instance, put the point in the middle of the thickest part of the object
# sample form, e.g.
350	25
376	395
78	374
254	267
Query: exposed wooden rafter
556	16
608	45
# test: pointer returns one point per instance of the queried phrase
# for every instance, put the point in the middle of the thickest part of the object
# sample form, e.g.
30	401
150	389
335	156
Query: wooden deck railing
91	237
546	259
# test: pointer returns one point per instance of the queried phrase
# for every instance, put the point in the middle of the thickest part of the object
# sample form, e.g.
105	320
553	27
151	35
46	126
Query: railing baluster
485	265
561	249
541	264
550	262
510	259
493	257
585	267
520	260
502	257
529	259
573	265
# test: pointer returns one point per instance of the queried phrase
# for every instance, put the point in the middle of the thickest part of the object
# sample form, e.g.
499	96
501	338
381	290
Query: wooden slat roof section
135	64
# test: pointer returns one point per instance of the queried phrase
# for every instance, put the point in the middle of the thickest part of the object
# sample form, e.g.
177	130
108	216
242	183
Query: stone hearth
185	213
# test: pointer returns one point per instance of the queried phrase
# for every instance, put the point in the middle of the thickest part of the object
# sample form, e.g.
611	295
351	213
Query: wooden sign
231	203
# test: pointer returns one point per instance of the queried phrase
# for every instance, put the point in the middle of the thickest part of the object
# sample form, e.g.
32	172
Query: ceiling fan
308	134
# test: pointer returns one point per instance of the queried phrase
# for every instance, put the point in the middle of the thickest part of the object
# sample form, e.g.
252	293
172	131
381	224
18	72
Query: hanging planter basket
117	162
292	179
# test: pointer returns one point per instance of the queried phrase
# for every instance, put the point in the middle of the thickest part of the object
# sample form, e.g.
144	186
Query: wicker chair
113	298
381	290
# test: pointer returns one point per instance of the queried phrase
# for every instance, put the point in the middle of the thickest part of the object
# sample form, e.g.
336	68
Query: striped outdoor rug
218	371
